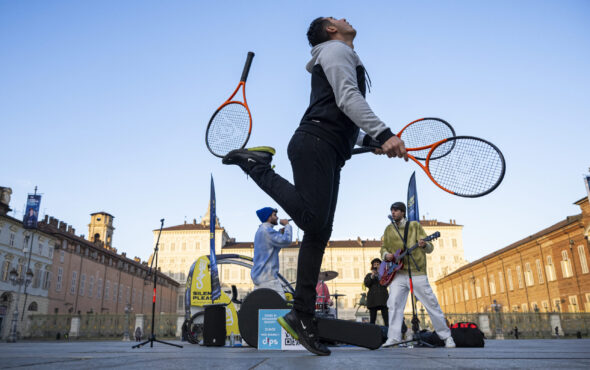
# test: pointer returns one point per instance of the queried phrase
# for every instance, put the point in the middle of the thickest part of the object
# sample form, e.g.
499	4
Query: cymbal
327	275
337	295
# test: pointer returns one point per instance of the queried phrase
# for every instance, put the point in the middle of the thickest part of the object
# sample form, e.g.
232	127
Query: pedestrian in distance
138	334
377	295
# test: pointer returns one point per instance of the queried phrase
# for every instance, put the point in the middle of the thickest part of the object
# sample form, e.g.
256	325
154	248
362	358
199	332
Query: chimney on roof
194	221
62	226
46	219
359	241
185	222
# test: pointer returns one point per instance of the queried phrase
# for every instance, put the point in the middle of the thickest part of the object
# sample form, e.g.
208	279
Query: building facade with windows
22	250
545	272
181	245
351	259
91	277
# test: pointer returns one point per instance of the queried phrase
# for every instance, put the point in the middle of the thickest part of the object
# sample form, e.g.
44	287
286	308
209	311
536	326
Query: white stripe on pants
398	295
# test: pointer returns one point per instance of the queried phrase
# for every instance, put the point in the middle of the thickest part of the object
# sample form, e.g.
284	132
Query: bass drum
248	315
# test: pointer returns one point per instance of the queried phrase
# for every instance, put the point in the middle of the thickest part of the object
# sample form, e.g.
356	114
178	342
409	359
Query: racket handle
247	66
364	149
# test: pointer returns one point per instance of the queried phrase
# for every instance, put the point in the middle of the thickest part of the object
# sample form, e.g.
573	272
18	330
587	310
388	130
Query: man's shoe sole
285	325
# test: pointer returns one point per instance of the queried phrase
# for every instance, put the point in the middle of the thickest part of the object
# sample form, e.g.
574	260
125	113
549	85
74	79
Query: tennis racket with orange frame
465	166
419	133
230	126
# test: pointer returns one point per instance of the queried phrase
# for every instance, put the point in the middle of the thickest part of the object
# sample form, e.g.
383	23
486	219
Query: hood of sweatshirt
315	51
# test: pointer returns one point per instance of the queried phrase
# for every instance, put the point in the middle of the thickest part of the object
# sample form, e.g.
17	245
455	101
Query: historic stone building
91	277
545	272
351	259
22	250
181	245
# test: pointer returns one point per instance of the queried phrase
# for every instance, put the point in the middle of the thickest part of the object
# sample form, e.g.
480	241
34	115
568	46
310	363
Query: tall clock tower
100	229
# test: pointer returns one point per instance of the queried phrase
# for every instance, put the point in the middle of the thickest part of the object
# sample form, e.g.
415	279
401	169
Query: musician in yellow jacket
393	240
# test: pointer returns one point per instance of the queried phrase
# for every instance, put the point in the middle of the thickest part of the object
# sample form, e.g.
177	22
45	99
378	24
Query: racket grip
364	149
247	66
368	146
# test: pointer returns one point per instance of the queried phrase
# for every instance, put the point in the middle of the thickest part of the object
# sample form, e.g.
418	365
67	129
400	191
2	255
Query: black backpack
467	334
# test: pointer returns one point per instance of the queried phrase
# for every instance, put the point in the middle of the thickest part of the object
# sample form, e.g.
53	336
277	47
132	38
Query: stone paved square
558	353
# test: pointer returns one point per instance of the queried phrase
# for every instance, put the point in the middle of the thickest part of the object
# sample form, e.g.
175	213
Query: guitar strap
405	237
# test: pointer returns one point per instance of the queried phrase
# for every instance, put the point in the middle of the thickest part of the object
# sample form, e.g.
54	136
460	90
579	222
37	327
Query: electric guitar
390	268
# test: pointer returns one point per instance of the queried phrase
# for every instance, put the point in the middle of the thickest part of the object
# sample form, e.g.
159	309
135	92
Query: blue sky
104	105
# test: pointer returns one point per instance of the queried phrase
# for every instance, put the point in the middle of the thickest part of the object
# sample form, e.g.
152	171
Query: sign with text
270	333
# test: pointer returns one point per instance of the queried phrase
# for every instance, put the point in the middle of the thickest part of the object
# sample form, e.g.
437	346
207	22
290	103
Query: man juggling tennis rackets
318	149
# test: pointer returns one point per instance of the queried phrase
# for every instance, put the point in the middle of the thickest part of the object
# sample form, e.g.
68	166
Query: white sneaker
450	343
390	342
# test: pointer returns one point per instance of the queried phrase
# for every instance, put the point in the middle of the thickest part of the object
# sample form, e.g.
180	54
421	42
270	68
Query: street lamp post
128	310
422	316
18	281
496	308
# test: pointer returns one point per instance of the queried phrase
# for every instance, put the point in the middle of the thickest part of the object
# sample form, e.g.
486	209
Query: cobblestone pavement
548	353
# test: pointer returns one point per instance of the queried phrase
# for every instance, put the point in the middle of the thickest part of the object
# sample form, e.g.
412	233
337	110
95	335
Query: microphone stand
415	321
152	337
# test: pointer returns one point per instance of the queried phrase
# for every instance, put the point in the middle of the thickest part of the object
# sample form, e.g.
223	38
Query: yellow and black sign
200	294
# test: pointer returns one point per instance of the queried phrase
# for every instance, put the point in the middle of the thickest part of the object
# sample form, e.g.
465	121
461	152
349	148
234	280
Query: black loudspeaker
214	325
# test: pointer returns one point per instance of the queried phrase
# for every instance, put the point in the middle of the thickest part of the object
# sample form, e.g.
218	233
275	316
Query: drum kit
322	307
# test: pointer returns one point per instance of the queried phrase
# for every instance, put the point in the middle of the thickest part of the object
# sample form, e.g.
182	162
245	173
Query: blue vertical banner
587	183
32	211
413	213
215	286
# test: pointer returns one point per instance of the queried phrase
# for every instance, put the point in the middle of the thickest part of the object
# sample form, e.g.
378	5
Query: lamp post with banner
17	281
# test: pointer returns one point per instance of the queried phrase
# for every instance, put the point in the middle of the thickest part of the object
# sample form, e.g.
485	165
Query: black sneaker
248	158
305	331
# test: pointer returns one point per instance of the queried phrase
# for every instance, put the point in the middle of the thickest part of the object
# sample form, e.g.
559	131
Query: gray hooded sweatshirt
337	106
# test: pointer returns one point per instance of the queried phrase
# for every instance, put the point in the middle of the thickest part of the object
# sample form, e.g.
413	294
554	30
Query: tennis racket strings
425	132
467	166
229	129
